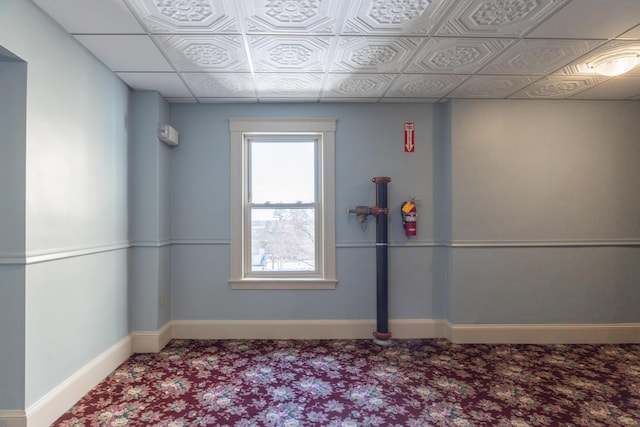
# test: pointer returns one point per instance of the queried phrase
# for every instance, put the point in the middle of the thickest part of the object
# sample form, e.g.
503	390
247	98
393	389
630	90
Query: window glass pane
282	172
282	240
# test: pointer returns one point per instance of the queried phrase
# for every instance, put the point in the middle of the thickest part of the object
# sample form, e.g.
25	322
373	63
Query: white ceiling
357	50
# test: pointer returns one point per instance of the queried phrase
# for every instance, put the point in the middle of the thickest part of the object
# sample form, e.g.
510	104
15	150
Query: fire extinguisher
409	217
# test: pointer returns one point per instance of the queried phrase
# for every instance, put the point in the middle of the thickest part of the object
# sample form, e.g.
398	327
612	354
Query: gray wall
530	213
369	143
149	225
13	89
69	169
545	212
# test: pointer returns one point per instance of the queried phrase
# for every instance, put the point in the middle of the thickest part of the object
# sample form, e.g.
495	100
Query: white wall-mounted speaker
168	135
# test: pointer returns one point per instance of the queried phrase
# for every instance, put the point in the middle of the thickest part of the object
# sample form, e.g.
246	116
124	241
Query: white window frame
242	129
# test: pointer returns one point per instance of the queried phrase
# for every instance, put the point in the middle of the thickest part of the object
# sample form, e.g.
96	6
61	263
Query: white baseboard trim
150	341
271	329
11	418
417	328
302	329
52	405
613	333
616	333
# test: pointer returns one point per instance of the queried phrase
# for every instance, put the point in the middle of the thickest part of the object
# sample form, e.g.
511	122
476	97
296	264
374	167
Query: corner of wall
48	408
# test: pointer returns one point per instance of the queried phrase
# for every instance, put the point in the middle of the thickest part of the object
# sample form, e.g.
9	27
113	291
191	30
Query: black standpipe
382	335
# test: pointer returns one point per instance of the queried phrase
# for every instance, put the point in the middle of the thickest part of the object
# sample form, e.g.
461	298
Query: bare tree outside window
285	242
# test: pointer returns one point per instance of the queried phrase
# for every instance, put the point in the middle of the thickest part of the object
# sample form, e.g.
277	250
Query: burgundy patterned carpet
358	383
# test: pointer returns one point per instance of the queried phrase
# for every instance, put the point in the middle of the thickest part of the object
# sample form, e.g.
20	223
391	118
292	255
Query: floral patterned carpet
358	383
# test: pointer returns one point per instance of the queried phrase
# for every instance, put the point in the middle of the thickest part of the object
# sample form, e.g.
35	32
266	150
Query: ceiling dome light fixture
616	63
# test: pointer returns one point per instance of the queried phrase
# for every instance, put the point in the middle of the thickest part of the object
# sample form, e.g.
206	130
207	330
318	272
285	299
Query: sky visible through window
282	172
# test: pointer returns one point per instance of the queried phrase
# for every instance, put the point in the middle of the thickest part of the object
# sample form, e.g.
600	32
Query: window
283	207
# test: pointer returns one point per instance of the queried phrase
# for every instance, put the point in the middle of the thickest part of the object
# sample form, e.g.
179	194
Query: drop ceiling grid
356	50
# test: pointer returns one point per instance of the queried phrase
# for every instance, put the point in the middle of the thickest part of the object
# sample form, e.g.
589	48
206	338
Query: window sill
293	284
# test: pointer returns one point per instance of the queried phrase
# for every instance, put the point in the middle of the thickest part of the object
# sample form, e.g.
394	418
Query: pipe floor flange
382	338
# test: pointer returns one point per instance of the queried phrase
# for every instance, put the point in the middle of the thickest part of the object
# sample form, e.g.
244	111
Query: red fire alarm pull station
409	138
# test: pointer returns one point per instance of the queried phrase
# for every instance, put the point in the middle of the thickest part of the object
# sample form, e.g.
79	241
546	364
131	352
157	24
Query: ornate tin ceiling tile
539	56
380	54
500	18
286	53
291	16
490	86
423	86
186	16
220	85
558	87
393	16
200	53
460	56
361	85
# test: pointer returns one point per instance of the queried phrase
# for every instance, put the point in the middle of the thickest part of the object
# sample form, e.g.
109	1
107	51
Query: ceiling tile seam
523	88
567	96
107	34
496	55
446	96
335	42
410	61
531	85
331	58
630	98
443	19
238	8
369	37
549	16
341	20
364	36
159	47
598	83
138	18
389	86
619	36
582	59
412	58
